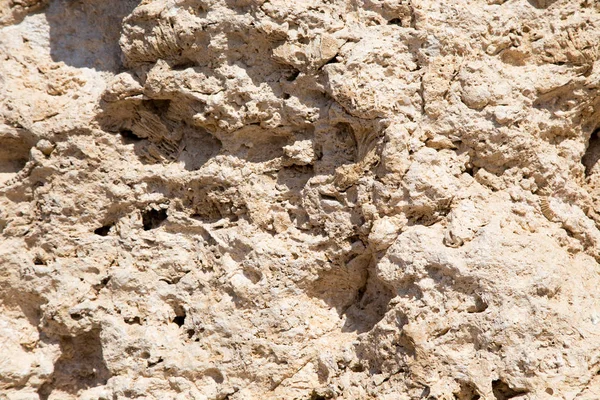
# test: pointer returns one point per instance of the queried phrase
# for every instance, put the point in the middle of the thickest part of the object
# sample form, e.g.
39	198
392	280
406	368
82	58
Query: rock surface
244	199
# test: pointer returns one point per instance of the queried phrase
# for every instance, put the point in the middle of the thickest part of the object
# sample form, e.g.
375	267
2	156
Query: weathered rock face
299	199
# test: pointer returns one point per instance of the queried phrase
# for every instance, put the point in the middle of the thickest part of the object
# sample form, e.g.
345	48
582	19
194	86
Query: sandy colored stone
245	199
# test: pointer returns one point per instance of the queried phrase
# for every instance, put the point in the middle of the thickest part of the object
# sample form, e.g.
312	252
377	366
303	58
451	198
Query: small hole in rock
103	230
135	320
395	21
159	107
469	170
39	261
151	219
129	136
358	367
179	320
292	77
76	316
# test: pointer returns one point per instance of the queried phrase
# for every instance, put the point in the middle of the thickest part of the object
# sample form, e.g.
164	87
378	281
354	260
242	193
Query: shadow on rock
80	366
85	33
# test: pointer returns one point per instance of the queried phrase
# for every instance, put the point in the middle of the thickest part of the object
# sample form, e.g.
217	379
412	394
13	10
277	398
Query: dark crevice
76	316
179	316
158	107
329	197
102	283
179	320
292	77
333	60
318	151
151	219
103	230
133	321
129	136
171	280
152	364
357	367
361	292
183	65
38	261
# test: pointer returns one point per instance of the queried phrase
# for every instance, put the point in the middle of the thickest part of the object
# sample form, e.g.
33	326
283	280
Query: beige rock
383	233
299	199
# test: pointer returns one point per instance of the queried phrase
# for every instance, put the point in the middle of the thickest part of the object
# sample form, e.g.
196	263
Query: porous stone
240	199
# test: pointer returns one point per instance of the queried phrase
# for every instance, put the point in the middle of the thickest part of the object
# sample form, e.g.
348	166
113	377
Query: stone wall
346	199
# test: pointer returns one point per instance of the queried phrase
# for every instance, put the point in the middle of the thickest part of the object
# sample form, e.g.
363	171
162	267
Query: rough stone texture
352	199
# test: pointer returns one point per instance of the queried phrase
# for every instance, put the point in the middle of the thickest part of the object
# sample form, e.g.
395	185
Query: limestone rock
239	199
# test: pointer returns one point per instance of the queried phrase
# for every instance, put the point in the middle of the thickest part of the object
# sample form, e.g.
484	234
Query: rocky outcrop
238	199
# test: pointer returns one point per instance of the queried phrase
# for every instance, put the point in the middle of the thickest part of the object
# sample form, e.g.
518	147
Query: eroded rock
299	199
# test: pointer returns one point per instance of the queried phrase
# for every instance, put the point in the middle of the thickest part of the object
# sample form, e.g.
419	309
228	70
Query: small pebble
45	146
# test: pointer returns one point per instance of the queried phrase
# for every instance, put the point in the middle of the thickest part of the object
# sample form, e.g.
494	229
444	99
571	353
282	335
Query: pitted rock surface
320	199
